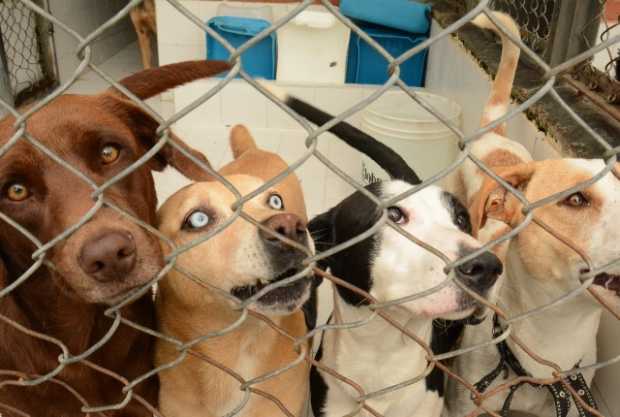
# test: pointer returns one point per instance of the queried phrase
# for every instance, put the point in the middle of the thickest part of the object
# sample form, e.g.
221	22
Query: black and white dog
389	266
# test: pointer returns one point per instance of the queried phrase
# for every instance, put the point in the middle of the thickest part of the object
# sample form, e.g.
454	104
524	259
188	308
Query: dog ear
4	275
144	128
241	140
151	82
493	201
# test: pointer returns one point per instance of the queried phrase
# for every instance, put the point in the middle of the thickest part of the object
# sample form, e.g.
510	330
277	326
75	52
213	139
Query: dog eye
462	221
110	153
17	192
275	202
396	215
576	200
197	220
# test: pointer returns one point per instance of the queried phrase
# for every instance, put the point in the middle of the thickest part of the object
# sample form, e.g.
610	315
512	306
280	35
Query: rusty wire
379	309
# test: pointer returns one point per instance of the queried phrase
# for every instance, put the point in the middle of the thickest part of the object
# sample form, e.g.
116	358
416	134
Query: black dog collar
561	395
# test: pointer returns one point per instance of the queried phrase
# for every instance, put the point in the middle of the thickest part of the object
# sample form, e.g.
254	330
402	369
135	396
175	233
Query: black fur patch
318	386
445	338
352	217
460	215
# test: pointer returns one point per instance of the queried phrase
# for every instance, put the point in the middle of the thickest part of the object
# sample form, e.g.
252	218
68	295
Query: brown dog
240	260
98	263
145	23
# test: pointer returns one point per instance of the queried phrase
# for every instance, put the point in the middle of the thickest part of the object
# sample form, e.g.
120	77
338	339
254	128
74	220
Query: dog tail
499	100
153	81
241	140
383	155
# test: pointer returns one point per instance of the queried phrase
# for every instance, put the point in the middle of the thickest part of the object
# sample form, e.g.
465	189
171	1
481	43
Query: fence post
576	26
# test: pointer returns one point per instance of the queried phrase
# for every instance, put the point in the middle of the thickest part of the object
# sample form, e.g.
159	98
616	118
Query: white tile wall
176	30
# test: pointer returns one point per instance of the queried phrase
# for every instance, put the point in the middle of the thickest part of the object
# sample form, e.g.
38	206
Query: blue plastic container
366	66
397	25
258	61
405	15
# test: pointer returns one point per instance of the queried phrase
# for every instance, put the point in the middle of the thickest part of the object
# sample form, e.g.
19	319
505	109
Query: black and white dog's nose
481	272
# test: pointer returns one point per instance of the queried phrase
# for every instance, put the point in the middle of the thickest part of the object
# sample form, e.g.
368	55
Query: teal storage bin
396	25
406	15
366	66
258	61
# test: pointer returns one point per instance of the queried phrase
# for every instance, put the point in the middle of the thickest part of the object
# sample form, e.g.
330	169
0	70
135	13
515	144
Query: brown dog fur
65	302
187	310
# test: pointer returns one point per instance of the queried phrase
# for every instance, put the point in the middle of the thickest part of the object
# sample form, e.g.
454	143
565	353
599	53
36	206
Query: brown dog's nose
286	224
109	256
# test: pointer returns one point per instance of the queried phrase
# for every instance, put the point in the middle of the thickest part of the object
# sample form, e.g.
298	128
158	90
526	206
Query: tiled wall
180	40
84	16
207	128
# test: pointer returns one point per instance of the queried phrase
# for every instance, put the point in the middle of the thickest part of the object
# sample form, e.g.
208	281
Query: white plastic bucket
396	110
420	138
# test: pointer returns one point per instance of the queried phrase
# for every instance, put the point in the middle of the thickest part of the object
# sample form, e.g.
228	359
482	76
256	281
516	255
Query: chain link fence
16	379
25	46
536	18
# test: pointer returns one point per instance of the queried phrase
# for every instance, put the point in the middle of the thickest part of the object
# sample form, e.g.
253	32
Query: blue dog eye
275	202
197	220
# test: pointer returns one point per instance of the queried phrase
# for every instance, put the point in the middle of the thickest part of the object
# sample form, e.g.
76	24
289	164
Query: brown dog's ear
3	274
241	140
144	128
493	201
151	82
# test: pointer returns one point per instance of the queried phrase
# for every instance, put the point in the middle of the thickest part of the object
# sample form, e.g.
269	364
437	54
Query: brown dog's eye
17	192
576	200
110	154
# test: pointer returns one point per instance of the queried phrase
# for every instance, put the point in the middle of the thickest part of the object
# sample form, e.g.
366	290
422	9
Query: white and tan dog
240	260
538	267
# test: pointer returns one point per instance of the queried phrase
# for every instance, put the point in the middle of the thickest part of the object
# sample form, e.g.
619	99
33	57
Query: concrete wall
84	16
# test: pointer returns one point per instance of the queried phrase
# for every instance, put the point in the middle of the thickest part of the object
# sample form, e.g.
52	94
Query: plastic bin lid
406	15
239	25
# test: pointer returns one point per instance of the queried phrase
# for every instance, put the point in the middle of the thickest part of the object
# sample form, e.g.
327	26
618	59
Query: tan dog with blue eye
240	260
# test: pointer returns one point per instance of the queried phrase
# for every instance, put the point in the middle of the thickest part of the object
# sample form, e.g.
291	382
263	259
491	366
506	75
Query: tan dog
240	260
144	22
538	267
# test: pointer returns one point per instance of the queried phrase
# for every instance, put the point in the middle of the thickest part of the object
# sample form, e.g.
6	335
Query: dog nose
109	256
286	224
481	272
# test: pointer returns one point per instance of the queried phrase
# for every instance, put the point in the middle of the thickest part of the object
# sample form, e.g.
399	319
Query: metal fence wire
248	387
535	18
18	27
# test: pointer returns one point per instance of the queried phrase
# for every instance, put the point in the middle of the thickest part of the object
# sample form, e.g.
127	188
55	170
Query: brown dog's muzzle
110	256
